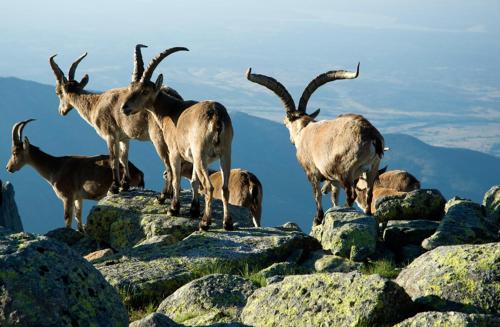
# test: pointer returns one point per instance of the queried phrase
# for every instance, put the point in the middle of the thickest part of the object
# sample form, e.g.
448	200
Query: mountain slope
259	145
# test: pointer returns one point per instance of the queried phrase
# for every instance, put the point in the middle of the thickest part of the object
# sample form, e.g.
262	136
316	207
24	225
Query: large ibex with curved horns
73	178
102	112
196	132
341	150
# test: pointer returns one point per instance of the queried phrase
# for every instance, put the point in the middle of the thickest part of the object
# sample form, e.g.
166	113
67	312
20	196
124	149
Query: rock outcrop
463	278
491	203
335	299
125	220
154	271
455	319
418	204
9	216
463	223
155	319
211	299
347	233
45	283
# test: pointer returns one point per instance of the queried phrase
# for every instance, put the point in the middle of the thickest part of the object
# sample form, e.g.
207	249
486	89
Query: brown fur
73	178
102	112
196	132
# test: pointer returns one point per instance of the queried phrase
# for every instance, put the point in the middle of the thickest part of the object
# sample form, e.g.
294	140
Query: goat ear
314	114
383	170
84	81
26	143
159	81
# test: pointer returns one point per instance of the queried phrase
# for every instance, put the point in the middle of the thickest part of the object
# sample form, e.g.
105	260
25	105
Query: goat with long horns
341	150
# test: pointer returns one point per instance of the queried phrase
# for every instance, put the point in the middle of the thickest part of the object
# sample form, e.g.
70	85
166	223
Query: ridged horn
57	71
74	65
146	76
17	131
138	63
323	79
274	86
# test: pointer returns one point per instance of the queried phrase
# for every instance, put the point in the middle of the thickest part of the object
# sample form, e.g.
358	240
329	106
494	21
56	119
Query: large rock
211	299
418	204
335	299
333	263
402	232
455	319
491	203
45	283
462	278
347	233
463	223
9	216
74	239
155	320
126	219
151	272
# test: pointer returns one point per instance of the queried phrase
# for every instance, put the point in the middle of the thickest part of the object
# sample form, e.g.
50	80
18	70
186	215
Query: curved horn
72	69
138	63
146	76
57	71
17	131
323	79
274	86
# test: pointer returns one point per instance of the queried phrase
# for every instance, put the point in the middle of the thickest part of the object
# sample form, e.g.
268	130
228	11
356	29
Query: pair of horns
59	73
285	97
17	131
144	75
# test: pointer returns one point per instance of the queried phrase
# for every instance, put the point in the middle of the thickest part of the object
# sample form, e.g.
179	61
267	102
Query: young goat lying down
392	182
73	178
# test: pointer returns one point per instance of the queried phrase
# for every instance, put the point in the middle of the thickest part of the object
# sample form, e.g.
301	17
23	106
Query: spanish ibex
196	132
102	112
73	178
387	183
340	150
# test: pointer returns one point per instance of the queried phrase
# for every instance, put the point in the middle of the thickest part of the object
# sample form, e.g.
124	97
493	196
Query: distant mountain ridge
260	145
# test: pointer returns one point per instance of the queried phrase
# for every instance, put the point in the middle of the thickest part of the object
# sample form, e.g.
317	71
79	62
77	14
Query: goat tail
217	128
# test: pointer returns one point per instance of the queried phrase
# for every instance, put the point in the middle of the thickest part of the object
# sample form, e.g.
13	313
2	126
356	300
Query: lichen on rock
217	298
45	283
462	278
451	318
335	299
347	233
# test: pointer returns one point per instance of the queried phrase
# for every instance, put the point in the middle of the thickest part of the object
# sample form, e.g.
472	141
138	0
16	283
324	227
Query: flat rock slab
217	298
45	283
335	299
455	319
418	204
347	233
463	223
462	278
153	272
126	219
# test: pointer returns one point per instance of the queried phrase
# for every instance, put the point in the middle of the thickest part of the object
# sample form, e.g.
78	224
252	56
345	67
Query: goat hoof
203	227
173	211
161	198
124	187
114	189
228	226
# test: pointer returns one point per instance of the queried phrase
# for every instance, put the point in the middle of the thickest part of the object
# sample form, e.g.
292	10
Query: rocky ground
419	261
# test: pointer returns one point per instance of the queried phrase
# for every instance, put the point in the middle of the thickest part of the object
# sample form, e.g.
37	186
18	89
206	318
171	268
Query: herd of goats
344	152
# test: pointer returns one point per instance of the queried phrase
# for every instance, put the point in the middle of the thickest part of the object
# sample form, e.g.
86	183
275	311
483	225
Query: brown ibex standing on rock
341	150
196	132
73	178
102	112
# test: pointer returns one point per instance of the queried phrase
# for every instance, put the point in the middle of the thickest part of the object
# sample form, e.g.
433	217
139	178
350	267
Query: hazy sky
428	68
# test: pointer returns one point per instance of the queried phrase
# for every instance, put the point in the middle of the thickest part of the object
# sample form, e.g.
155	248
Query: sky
428	68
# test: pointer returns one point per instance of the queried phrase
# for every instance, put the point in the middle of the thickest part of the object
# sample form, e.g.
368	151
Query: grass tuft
384	268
